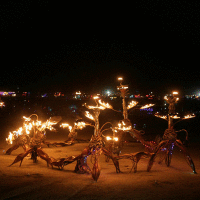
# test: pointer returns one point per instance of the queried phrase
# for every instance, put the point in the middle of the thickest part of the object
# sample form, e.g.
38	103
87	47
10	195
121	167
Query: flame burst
161	116
10	138
175	117
147	106
78	125
96	107
189	116
132	104
123	126
88	115
28	126
108	138
65	125
106	105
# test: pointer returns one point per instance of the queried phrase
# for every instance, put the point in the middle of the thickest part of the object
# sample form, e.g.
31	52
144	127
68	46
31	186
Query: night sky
54	46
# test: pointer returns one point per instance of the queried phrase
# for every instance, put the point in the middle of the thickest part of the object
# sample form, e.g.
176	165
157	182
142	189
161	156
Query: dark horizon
153	45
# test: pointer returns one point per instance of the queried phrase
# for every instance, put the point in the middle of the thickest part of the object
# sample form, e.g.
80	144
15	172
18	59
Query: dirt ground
37	181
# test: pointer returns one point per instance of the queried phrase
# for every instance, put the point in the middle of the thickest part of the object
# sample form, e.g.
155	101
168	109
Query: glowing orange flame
110	138
65	125
189	116
96	107
80	125
2	104
161	116
132	104
106	105
147	106
123	126
10	138
88	115
175	117
28	126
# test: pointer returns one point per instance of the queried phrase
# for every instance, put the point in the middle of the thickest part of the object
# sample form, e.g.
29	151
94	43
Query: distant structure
5	94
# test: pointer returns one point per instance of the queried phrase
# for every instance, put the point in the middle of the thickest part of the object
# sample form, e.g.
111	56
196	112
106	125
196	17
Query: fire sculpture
30	136
115	146
96	144
169	139
78	125
125	124
34	151
95	148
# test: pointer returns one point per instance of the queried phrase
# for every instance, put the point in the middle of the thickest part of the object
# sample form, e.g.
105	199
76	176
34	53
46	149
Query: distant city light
78	92
3	93
108	93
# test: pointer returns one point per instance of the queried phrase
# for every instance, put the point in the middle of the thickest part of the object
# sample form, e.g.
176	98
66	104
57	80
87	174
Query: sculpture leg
8	152
109	152
21	156
96	168
134	161
169	154
161	145
168	158
109	155
186	154
107	159
81	166
163	157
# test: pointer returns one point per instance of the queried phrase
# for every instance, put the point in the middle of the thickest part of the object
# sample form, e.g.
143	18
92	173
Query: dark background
57	46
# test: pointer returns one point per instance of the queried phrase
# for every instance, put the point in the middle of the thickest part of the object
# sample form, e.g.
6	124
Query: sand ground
37	181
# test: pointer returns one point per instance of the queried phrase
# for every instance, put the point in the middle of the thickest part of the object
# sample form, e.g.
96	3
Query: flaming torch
96	143
170	139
